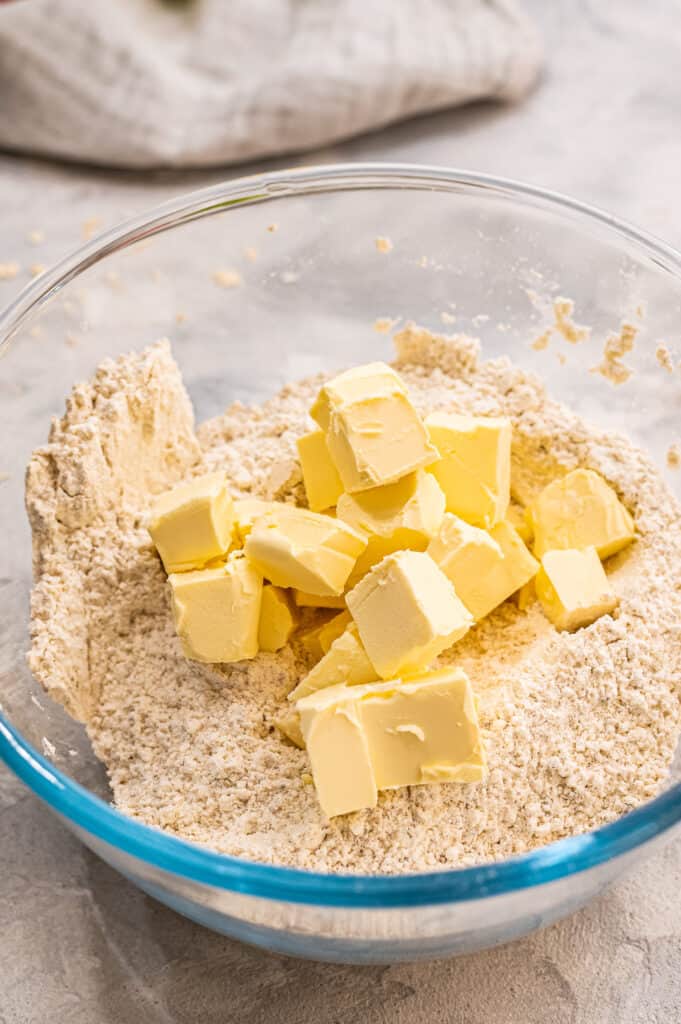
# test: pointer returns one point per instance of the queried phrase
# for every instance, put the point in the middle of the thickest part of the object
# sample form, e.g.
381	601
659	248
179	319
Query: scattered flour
616	346
664	357
578	728
228	278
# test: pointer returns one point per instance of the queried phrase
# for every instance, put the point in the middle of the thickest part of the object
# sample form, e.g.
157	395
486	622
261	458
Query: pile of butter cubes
407	535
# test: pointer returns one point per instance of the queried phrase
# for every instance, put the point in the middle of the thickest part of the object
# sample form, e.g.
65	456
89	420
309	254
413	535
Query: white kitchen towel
145	83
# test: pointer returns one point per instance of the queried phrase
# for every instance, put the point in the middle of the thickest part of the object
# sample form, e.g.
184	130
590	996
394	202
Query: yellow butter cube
293	547
246	511
323	485
485	567
278	619
374	434
573	588
397	516
217	611
404	732
310	638
519	520
578	511
332	629
407	612
346	662
337	746
474	469
192	523
526	595
304	600
288	724
423	730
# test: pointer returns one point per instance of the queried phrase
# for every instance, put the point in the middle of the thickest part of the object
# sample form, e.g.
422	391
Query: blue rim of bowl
167	853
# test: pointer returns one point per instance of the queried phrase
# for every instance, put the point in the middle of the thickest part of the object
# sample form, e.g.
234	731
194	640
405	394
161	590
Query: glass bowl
489	252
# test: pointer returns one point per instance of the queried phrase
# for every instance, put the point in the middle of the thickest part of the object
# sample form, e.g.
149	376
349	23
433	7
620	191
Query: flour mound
578	728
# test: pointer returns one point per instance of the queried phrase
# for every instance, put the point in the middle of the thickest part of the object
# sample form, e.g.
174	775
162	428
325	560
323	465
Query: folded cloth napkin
144	83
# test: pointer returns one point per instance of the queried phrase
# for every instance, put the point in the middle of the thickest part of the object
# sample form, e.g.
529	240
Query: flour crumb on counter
228	278
90	227
664	357
8	271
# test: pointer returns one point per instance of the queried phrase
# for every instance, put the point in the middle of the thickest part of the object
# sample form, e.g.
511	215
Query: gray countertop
82	946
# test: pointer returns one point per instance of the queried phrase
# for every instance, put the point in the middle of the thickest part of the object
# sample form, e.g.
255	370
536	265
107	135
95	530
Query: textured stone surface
82	946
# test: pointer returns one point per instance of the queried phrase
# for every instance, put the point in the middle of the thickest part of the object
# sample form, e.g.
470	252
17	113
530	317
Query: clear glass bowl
311	294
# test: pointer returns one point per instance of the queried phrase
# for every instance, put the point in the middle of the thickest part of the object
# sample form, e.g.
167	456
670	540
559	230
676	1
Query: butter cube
304	600
403	732
323	485
474	469
519	520
407	612
345	662
485	567
423	730
192	523
246	511
573	588
278	619
332	629
292	547
217	611
288	725
579	511
310	638
526	595
373	432
338	750
397	516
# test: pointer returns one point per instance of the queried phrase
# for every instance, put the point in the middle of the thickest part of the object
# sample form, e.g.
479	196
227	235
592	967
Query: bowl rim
88	812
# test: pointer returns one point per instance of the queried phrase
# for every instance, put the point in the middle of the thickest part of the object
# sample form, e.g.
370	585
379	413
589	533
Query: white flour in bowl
579	728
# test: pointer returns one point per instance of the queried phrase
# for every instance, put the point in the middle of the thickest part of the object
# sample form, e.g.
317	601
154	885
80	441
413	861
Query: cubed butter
526	595
192	523
304	600
474	468
346	662
217	611
519	520
409	732
310	638
278	619
374	434
323	485
293	547
485	567
246	511
288	724
395	517
407	612
573	588
332	629
338	750
578	511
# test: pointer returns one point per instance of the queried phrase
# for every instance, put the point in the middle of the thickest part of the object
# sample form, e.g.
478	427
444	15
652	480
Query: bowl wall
492	255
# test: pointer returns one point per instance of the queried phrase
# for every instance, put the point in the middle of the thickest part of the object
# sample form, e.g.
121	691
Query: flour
578	728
